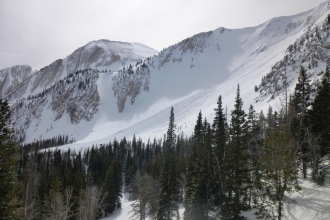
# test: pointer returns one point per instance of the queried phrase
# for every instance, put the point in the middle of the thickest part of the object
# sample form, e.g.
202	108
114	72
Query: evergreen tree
9	185
320	113
236	182
130	171
262	124
300	123
254	140
220	138
207	174
199	176
78	180
29	200
168	202
113	186
270	120
319	117
182	161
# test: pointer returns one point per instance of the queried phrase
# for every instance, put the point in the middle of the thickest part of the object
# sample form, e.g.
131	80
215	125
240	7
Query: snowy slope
106	101
103	55
191	74
11	77
62	98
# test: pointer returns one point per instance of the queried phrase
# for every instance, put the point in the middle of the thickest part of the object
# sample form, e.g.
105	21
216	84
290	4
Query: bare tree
278	175
91	202
146	190
59	206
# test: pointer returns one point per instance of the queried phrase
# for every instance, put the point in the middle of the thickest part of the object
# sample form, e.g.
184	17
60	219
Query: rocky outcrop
129	82
11	77
311	50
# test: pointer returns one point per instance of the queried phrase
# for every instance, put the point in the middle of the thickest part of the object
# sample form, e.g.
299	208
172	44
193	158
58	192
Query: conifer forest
240	161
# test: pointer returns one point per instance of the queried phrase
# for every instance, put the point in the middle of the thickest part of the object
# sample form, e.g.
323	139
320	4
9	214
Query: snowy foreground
124	213
313	202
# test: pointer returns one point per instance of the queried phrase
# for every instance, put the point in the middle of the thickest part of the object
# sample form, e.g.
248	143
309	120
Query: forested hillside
227	167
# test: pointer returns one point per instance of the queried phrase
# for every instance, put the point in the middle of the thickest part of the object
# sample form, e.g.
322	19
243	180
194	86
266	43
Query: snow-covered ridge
103	55
66	90
75	98
227	51
311	50
192	73
189	76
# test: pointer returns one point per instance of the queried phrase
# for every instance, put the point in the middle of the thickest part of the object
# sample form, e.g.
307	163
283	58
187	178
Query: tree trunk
304	168
315	173
279	210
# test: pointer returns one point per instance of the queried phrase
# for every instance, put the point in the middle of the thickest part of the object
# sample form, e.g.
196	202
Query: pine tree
319	117
220	138
270	120
236	182
254	140
320	113
301	103
199	176
262	124
78	180
130	171
207	180
182	164
302	93
29	201
9	185
113	187
168	202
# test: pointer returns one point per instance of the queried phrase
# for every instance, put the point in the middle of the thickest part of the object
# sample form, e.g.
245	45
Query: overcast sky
37	32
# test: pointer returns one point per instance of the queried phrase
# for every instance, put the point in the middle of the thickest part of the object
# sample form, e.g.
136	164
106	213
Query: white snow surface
190	76
100	54
125	212
312	203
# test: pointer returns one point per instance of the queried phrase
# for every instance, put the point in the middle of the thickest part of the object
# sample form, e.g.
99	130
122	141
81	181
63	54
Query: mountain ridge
188	75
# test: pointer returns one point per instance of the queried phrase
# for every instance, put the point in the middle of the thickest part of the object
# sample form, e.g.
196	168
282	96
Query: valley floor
313	203
124	212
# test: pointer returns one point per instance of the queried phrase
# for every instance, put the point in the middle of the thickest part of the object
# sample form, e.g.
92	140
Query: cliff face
65	90
11	77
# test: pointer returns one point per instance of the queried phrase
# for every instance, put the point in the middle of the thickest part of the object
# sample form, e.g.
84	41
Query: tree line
226	167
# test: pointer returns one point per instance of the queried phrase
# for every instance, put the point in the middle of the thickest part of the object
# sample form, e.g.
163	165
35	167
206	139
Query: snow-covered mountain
96	105
103	55
53	92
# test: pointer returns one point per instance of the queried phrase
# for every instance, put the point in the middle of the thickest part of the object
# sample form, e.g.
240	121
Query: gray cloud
37	32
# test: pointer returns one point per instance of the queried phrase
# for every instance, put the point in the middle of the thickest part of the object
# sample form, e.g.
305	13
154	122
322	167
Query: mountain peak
103	53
